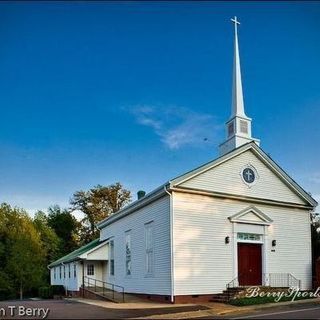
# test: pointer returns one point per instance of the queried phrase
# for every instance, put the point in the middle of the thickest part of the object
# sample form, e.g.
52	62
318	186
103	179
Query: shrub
58	290
260	300
45	292
7	294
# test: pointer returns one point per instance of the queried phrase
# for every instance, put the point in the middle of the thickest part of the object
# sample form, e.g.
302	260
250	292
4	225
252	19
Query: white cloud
176	126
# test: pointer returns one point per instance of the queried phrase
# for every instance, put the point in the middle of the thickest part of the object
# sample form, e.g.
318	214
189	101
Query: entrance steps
226	295
230	293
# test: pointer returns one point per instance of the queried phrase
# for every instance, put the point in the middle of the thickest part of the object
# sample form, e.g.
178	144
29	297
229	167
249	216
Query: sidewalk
187	311
143	304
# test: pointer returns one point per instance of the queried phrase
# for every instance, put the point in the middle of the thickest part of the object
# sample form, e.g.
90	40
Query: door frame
256	229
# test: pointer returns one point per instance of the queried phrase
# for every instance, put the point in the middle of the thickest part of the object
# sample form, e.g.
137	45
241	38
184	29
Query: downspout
171	244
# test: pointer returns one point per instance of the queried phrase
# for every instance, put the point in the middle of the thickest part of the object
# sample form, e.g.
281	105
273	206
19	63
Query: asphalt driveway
294	311
70	309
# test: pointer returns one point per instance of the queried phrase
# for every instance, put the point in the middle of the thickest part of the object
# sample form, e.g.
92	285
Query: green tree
50	241
66	228
22	254
98	203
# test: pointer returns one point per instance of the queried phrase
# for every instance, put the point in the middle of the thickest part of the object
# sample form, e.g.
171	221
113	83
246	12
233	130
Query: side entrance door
249	264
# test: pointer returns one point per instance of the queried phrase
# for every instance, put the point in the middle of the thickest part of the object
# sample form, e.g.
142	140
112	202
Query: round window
248	175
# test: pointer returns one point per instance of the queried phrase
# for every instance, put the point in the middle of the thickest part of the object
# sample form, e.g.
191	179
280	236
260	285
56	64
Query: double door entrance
249	264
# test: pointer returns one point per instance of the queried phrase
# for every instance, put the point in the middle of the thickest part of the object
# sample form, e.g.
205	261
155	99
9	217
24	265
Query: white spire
237	95
239	125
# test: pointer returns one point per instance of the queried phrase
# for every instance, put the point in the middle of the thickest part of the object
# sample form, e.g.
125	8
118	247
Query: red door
249	264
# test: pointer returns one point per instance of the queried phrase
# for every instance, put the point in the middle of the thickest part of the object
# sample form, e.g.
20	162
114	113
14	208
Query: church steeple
237	95
239	125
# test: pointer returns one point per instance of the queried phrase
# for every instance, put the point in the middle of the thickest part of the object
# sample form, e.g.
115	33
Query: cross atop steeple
235	22
239	125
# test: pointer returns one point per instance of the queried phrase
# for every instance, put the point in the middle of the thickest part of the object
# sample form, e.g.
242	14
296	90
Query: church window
64	272
60	272
111	257
149	248
249	236
69	271
90	270
74	270
248	175
230	129
243	126
54	273
128	253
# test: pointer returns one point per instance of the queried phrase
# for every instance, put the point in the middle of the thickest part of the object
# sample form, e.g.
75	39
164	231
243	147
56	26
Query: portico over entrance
250	245
250	241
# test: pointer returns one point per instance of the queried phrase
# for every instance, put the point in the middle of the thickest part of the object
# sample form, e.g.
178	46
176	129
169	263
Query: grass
262	300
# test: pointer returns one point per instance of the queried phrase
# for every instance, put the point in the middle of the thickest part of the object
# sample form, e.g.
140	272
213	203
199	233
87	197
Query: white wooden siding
204	263
226	178
202	260
291	230
101	253
160	283
72	283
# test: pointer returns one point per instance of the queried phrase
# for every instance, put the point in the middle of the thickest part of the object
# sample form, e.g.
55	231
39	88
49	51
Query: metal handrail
296	280
114	287
273	279
282	280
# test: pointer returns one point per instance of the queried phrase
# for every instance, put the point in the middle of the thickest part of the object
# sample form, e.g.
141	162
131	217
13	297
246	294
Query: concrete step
222	295
237	289
219	299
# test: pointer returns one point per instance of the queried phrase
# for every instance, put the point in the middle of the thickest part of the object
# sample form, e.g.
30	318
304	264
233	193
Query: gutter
171	243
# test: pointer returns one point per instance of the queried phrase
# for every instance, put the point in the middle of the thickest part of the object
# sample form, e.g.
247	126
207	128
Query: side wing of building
68	275
146	231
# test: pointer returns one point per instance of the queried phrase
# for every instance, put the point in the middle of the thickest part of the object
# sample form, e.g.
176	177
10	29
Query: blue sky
99	92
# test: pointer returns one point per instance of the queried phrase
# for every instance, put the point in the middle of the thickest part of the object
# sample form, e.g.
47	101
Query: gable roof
262	156
74	255
161	190
244	216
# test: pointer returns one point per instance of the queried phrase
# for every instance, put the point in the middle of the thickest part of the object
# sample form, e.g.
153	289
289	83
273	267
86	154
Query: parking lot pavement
86	309
69	309
294	311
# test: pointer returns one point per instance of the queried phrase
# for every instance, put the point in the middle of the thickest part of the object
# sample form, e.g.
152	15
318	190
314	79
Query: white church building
239	220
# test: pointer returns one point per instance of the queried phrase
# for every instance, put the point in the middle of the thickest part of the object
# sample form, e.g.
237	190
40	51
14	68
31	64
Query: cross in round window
248	175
